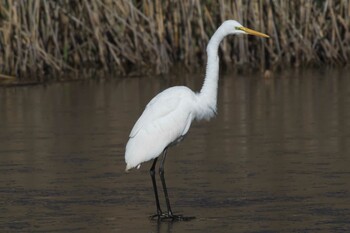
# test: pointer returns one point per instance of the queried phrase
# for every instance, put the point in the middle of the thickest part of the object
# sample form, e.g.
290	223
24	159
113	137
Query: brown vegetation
145	36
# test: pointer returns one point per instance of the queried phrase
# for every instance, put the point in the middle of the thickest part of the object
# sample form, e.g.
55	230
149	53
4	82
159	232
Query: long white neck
208	95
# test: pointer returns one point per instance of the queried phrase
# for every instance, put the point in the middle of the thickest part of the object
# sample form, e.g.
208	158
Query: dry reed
148	36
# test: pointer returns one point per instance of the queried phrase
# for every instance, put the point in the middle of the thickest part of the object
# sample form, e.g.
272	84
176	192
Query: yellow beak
252	32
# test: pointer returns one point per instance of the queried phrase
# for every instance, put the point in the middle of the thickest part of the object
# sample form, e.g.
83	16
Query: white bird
168	116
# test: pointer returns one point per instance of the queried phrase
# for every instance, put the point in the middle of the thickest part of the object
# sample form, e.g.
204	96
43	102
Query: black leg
161	174
153	172
169	216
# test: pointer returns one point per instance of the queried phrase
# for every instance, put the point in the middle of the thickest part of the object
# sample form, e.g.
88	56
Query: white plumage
168	116
166	119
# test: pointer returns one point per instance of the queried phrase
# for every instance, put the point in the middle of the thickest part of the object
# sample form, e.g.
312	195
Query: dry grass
147	36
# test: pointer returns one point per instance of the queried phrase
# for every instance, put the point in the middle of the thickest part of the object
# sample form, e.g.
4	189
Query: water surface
275	159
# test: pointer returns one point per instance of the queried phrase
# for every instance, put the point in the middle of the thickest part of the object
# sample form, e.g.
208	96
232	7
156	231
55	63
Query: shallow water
275	159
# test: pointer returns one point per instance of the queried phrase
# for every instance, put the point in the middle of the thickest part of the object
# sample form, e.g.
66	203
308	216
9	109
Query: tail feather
128	167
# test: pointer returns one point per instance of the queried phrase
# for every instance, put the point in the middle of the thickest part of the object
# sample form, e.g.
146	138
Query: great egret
168	116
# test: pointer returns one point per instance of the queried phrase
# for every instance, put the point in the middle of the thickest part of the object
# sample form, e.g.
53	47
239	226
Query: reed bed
150	36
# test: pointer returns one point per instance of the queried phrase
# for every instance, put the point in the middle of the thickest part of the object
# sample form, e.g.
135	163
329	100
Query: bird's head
234	27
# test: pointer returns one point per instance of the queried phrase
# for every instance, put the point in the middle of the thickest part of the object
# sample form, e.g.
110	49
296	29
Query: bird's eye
238	28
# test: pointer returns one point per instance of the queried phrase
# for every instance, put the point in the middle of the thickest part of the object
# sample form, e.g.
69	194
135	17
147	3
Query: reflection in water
166	226
275	159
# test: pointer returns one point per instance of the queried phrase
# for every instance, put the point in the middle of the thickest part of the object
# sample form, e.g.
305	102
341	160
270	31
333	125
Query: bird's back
165	119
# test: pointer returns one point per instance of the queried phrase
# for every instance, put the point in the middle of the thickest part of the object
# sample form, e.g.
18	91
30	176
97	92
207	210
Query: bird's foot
169	217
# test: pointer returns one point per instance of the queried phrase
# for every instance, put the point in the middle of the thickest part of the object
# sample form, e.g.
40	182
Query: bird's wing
160	106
